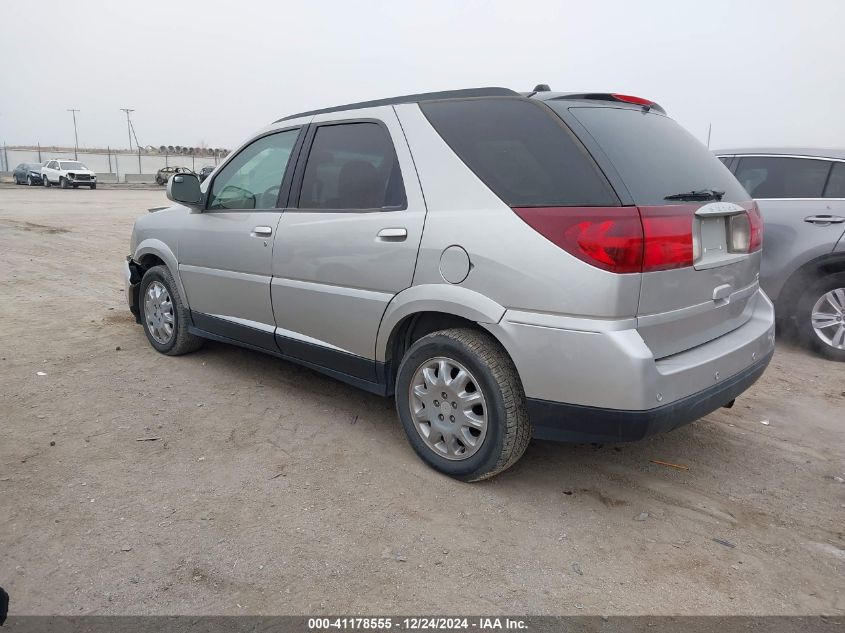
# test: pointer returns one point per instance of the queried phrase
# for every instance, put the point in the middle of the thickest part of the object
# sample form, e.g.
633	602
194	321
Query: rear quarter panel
511	264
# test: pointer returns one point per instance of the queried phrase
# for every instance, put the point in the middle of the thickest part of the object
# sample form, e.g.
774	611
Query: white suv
67	173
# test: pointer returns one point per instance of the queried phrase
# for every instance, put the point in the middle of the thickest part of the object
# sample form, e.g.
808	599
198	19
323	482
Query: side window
253	178
836	183
772	177
352	166
726	160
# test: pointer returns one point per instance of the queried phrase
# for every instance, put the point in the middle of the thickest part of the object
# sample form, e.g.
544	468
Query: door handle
393	235
824	220
262	231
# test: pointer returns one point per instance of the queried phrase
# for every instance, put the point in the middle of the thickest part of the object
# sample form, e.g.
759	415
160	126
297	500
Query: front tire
29	181
821	317
63	182
47	182
93	186
164	315
462	405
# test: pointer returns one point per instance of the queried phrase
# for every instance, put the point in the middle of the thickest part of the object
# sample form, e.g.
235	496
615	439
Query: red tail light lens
668	237
610	238
618	239
756	221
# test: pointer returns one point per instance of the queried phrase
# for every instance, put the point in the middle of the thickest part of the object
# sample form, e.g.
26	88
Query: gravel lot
274	490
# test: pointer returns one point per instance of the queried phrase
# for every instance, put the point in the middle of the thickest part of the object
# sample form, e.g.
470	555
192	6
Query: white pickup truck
67	173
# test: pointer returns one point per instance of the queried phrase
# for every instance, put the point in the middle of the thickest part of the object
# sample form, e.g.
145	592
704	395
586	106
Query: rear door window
654	155
352	166
836	183
782	177
521	151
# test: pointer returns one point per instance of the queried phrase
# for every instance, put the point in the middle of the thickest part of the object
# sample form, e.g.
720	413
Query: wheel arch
804	275
153	252
441	301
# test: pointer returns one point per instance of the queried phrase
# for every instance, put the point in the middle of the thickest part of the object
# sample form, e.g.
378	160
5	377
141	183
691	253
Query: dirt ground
275	490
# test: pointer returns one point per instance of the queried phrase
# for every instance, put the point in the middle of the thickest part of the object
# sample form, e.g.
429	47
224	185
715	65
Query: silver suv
559	266
801	194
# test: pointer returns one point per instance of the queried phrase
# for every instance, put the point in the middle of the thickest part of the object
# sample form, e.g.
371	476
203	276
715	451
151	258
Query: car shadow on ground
555	462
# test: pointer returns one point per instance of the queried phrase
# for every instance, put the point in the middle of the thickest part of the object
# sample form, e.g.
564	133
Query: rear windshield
521	151
654	156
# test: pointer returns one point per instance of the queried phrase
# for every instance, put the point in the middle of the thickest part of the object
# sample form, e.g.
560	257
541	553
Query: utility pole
709	130
75	136
128	125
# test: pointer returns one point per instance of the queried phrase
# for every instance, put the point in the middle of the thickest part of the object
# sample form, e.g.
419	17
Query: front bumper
131	283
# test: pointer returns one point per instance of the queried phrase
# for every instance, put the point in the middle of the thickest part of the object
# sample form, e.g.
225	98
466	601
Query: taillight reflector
618	239
756	221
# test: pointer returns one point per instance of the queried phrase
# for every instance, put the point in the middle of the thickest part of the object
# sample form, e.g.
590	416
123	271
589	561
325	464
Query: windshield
656	157
72	165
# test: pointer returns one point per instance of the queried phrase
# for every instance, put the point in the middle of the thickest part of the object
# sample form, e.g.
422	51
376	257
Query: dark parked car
205	172
27	174
165	173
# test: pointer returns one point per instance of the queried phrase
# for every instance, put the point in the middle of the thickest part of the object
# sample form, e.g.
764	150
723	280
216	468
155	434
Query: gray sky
764	72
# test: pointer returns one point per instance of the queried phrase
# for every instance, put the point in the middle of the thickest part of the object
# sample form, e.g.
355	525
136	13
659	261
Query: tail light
668	237
618	239
756	228
610	238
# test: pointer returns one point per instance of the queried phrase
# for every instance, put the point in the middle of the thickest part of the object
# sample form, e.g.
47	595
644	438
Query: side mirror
185	189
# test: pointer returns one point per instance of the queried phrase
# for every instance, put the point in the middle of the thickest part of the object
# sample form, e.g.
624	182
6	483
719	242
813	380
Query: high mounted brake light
632	99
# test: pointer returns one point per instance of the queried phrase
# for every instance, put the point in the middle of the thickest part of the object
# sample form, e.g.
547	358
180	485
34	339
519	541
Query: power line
75	135
128	125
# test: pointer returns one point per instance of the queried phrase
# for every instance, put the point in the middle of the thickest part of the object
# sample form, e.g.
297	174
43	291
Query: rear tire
165	306
482	436
826	333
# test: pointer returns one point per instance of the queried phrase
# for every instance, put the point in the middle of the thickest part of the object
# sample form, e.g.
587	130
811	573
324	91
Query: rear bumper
586	379
578	423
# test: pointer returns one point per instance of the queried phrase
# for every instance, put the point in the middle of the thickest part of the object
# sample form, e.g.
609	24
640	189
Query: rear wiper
700	194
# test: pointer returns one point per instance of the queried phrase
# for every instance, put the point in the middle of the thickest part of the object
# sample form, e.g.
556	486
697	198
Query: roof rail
423	96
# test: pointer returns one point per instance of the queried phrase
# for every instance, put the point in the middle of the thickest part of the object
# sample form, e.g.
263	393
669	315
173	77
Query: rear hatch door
692	301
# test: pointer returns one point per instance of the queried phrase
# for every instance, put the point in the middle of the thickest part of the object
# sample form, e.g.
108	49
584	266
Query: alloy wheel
448	407
828	318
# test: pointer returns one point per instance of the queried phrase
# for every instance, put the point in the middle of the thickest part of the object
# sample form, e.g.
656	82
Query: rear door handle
824	219
393	235
262	231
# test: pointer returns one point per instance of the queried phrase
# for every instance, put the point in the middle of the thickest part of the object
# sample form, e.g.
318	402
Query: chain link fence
114	165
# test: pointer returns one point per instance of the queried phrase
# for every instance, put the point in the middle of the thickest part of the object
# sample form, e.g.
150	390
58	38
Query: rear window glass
521	151
773	177
836	183
654	156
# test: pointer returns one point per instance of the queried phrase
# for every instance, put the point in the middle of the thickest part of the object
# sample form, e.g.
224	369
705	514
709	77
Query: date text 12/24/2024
416	623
